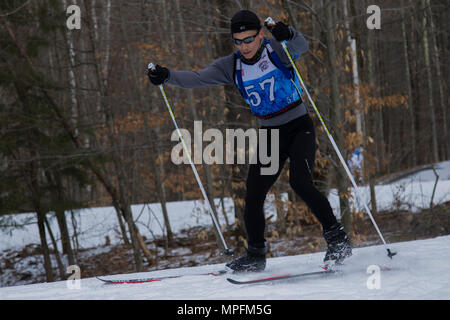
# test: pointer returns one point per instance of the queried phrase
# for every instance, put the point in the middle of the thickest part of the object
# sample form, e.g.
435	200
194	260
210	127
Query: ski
283	277
143	280
153	279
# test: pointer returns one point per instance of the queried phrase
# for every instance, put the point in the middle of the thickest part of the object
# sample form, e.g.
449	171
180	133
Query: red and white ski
283	277
144	280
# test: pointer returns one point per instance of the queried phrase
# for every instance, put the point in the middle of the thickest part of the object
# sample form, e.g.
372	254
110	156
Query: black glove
159	75
281	32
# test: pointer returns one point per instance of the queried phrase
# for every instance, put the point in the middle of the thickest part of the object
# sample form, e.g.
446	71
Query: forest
81	125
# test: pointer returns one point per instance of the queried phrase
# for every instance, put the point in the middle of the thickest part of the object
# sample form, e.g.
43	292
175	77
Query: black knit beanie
245	20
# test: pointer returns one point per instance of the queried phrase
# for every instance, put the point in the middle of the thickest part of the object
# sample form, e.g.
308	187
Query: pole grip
269	23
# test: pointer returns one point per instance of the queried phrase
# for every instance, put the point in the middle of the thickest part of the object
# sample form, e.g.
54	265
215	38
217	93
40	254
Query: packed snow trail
420	271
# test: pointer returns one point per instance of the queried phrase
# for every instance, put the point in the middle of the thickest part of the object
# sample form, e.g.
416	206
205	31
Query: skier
355	163
261	71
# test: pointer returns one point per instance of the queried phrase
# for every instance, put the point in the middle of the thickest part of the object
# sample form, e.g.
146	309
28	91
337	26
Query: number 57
255	98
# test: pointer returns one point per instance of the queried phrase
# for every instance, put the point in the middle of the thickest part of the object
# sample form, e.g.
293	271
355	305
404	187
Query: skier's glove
281	32
158	75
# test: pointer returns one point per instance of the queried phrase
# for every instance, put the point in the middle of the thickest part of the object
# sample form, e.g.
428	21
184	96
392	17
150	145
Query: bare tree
337	119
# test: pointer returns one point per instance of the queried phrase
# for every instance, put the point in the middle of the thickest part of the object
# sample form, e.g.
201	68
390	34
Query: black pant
297	141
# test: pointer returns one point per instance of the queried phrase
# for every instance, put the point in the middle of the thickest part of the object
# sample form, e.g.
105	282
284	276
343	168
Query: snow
409	195
411	192
95	224
426	173
419	271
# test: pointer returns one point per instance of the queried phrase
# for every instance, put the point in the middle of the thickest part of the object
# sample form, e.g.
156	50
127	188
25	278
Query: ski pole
270	23
227	251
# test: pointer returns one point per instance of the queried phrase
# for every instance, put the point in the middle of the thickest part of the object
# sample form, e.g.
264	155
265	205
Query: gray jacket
221	72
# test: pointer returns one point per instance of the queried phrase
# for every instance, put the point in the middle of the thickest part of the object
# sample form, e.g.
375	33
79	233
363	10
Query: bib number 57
254	96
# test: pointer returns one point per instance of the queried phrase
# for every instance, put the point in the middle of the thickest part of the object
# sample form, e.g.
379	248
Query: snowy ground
419	271
421	267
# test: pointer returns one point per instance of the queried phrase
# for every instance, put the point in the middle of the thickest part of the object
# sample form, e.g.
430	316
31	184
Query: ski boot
339	246
253	261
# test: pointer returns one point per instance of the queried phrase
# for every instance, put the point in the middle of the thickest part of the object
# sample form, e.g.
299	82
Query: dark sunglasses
246	40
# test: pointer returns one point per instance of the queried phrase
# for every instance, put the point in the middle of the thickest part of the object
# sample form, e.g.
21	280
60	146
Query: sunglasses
246	40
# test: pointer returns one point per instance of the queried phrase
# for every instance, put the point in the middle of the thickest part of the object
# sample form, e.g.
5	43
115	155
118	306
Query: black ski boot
339	246
253	261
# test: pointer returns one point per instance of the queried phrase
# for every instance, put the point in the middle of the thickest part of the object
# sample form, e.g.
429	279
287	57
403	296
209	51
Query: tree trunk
355	73
371	160
122	227
445	141
76	243
62	272
409	91
44	246
337	118
429	80
59	198
65	237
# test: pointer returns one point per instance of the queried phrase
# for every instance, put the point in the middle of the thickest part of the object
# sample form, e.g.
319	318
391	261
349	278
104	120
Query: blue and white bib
267	86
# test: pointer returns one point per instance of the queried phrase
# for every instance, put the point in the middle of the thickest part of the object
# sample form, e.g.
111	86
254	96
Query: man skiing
263	74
